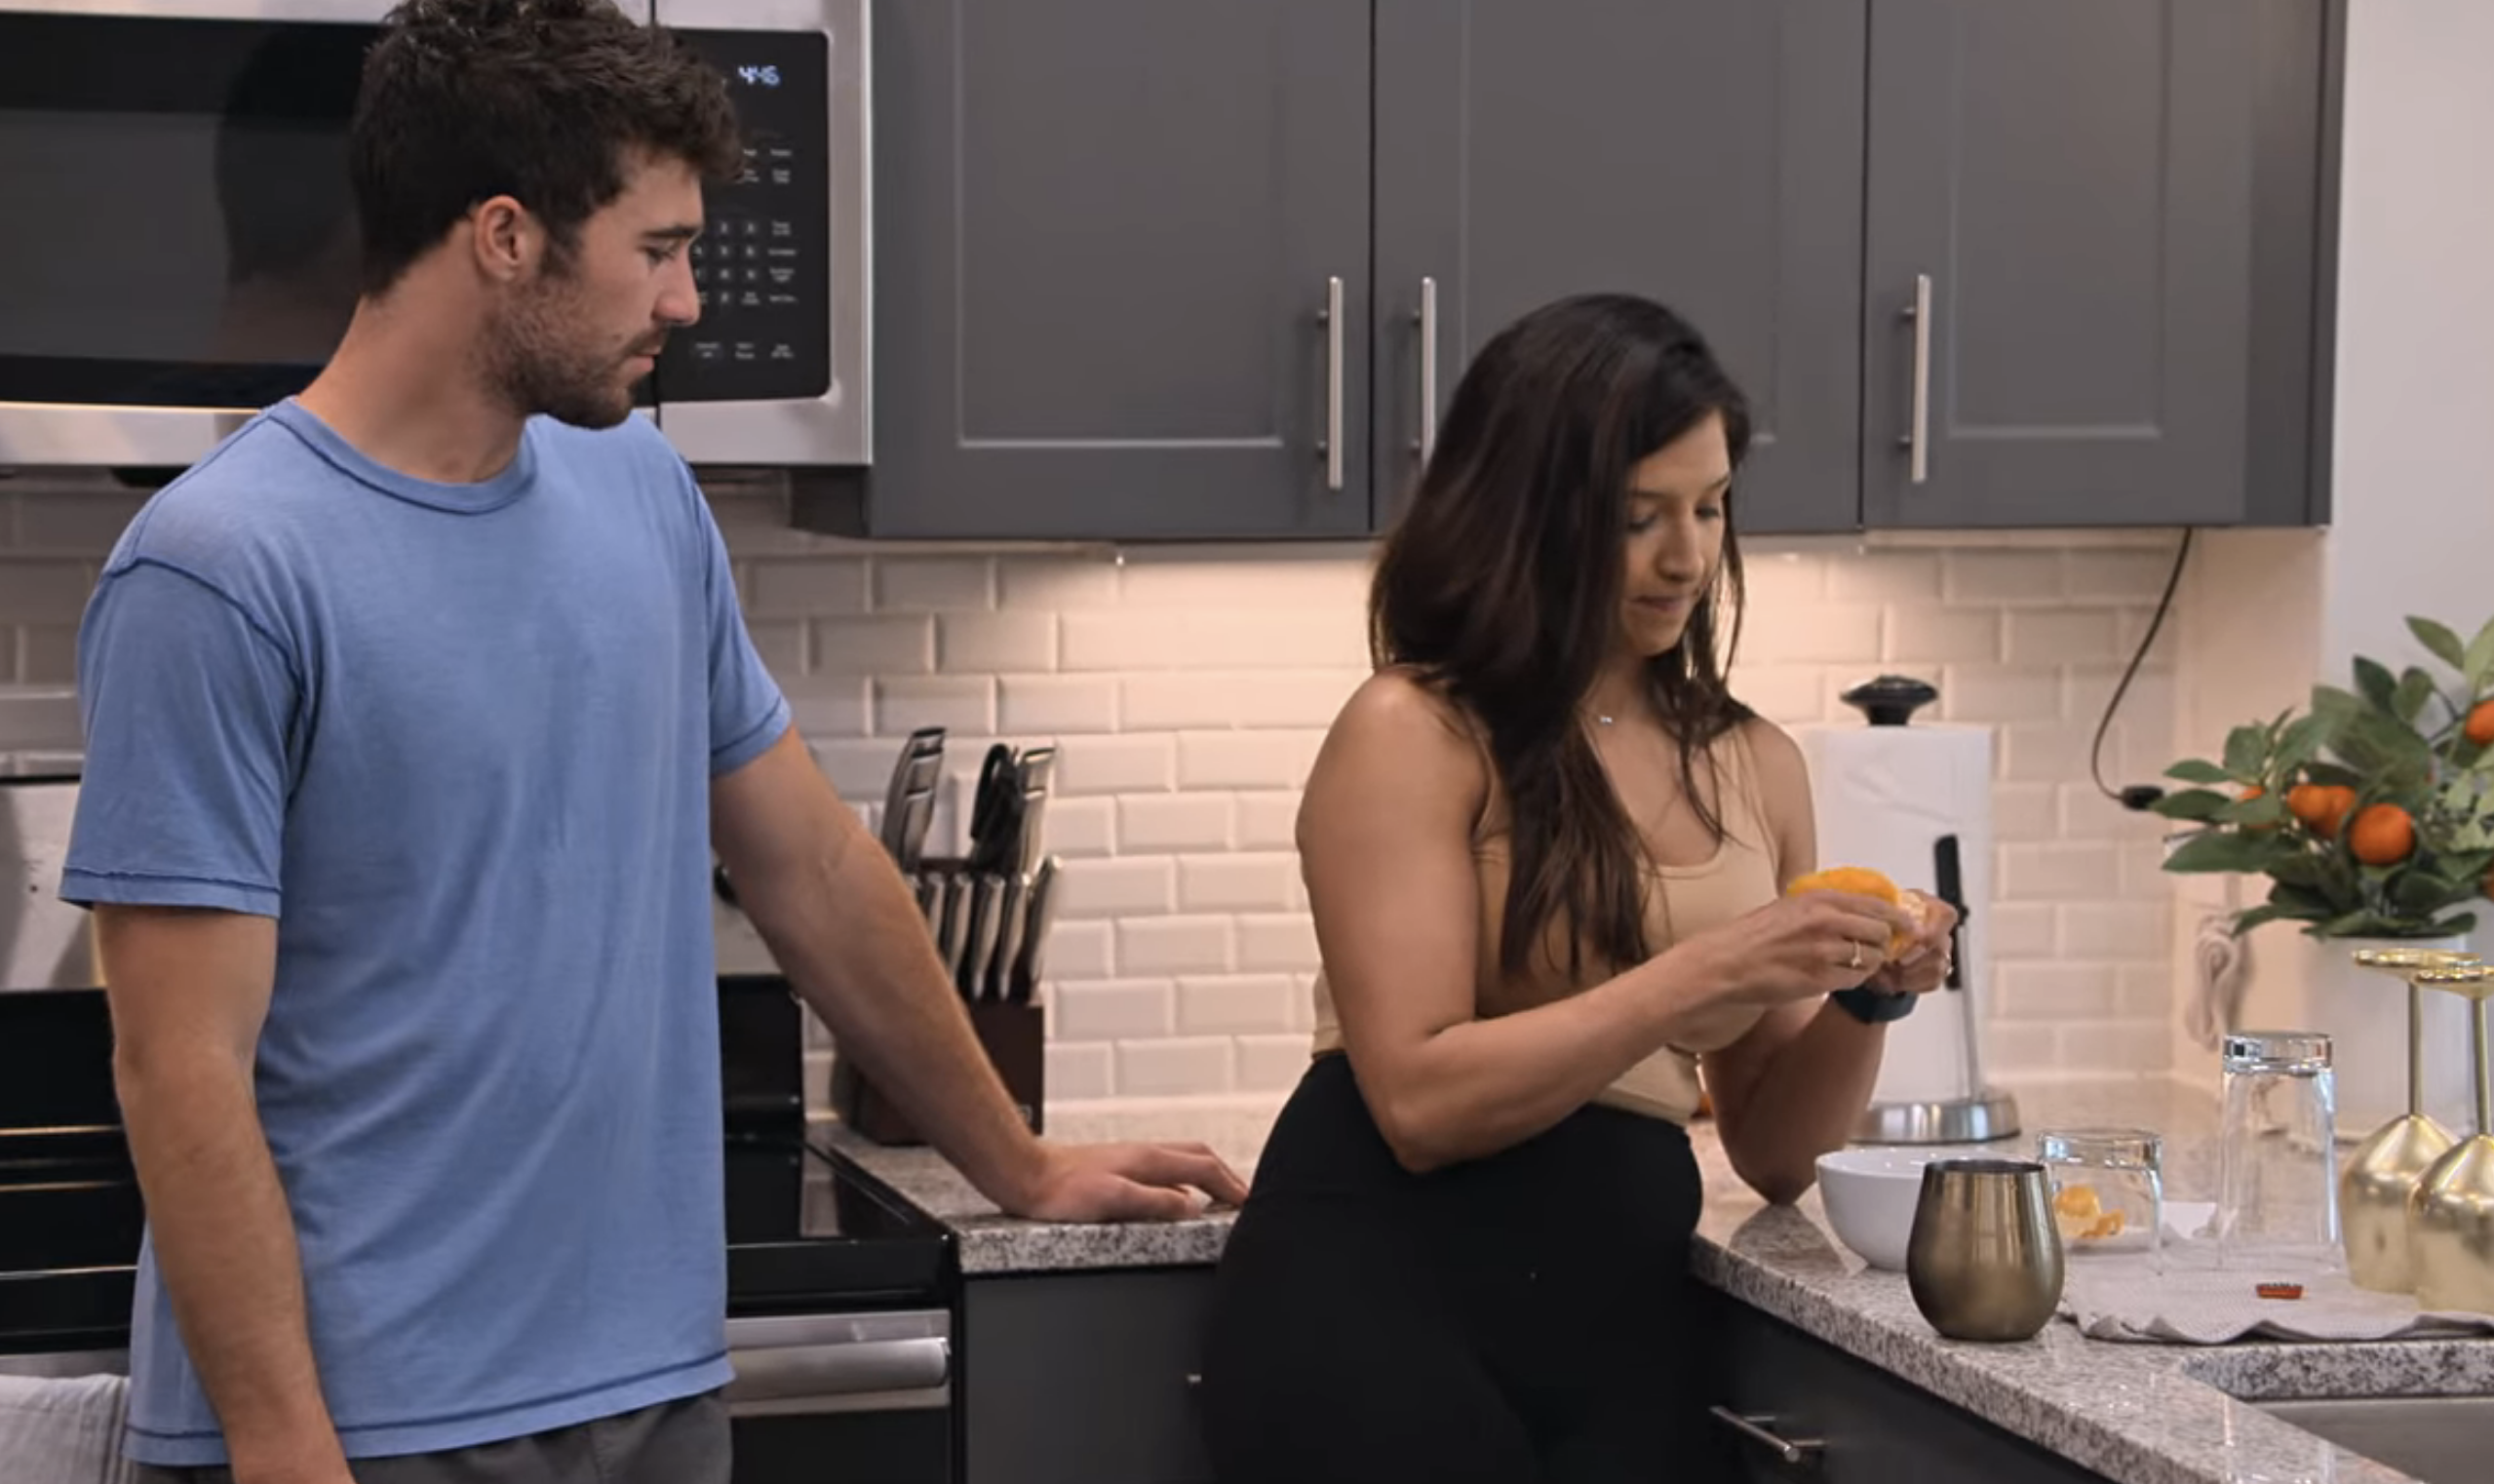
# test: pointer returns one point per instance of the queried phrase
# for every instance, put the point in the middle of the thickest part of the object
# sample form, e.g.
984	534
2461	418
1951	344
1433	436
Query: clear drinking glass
2108	1188
2278	1175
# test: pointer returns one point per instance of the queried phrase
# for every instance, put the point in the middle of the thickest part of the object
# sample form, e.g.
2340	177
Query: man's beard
537	370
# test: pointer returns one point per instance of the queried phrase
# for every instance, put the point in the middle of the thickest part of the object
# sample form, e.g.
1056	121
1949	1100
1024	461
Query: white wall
2267	613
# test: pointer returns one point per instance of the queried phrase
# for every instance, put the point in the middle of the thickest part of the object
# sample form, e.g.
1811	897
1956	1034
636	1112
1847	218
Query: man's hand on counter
1122	1181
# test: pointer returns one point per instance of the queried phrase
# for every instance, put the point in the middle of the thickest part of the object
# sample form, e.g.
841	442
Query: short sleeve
188	708
747	711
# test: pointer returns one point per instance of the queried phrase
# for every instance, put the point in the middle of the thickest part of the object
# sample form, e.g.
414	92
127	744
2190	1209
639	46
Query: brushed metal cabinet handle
1427	320
1918	437
1331	317
1757	1430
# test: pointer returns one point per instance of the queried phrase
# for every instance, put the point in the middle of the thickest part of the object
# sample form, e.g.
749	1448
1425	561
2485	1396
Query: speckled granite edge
2137	1414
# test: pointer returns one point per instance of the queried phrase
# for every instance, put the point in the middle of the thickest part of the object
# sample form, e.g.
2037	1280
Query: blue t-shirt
458	740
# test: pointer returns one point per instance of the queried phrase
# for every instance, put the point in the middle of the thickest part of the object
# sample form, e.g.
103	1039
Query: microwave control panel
762	262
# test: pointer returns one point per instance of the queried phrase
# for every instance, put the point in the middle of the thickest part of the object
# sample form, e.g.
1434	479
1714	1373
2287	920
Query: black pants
1517	1320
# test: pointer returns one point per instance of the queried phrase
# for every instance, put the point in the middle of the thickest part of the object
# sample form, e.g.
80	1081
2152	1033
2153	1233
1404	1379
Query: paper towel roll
1885	795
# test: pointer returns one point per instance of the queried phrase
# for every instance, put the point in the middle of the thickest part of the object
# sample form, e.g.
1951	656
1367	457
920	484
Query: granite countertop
2139	1413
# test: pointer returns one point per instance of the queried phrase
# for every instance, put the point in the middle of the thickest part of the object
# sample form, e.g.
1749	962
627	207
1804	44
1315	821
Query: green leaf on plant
2438	638
2267	812
2247	748
2333	773
2299	744
2415	687
2218	850
2302	901
2252	916
2199	771
2191	803
2479	659
2373	682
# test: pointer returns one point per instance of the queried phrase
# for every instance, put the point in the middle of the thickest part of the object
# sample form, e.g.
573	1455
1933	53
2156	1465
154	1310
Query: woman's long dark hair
1501	585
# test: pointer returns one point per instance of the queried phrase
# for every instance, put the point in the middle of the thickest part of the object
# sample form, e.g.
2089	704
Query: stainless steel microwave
182	249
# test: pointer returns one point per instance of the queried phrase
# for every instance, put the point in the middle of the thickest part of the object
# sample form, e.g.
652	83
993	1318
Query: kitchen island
2136	1414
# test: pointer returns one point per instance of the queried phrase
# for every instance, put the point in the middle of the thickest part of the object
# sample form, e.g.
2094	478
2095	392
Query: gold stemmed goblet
2450	1217
2386	1168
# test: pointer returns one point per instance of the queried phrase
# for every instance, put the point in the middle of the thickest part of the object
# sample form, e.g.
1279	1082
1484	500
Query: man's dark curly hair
543	101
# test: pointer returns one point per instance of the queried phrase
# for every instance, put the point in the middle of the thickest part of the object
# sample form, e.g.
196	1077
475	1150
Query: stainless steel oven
185	251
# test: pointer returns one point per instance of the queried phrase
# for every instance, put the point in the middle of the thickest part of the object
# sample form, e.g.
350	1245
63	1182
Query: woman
1545	850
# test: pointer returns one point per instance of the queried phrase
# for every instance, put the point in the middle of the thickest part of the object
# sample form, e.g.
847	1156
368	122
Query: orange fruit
2382	835
2481	722
2322	806
1862	881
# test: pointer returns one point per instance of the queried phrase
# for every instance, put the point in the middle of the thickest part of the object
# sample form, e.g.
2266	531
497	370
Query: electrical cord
2137	796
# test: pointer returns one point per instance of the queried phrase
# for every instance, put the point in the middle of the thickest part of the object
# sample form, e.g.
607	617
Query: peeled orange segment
1863	880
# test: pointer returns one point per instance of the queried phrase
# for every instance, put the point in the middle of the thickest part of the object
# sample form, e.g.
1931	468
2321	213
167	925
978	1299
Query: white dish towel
63	1429
2194	1301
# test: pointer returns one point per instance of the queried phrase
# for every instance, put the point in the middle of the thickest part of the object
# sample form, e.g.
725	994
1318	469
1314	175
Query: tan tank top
1680	901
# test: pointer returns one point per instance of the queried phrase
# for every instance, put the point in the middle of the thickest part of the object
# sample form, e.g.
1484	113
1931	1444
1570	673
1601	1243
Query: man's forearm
225	1247
855	947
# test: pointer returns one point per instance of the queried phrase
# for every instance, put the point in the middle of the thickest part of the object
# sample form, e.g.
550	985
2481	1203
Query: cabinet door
1085	1378
1105	232
2073	189
1864	1426
1705	153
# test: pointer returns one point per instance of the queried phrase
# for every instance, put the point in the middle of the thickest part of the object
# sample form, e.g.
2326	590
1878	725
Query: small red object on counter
2278	1290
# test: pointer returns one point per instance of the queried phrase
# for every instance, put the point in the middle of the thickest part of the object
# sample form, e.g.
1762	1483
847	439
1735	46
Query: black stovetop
807	1229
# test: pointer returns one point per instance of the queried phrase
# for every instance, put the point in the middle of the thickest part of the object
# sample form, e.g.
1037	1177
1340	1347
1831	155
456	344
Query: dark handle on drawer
1797	1451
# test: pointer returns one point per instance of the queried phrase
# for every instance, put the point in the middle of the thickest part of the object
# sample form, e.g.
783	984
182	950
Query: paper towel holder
1890	700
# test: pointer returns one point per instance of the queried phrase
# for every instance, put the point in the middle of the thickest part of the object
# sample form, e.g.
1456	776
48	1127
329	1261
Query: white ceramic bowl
1870	1193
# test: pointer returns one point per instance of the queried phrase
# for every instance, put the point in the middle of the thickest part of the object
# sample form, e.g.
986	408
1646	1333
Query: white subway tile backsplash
778	587
43	589
1892	576
2045	637
1286	942
1175	821
1936	636
1081	950
2120	576
1049	704
933	584
1079	827
1132	888
1269	821
2058	992
83	523
957	703
1235	1005
1188	690
1055	584
2058	872
1114	1009
1181	945
1118	765
1789	695
1151	1069
2007	577
1827	633
1246	759
996	643
1080	1070
1271	1063
880	646
1998	693
1235	882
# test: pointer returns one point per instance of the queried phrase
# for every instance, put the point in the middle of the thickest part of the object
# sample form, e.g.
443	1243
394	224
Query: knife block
1013	1035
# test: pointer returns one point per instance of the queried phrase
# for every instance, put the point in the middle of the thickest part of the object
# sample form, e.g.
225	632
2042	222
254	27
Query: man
414	713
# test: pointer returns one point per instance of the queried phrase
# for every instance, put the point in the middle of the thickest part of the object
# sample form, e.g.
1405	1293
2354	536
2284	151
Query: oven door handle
795	1359
844	1368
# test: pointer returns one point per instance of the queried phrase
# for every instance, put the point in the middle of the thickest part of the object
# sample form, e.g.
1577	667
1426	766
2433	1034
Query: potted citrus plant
2371	816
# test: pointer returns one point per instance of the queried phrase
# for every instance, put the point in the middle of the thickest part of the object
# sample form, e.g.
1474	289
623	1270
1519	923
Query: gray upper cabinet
1106	235
2108	208
1705	153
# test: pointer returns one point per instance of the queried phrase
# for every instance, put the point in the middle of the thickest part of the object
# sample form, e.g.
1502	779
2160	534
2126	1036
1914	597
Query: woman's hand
1799	947
1923	965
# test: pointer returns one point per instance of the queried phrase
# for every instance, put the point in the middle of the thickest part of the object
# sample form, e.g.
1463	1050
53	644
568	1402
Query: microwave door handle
839	1369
